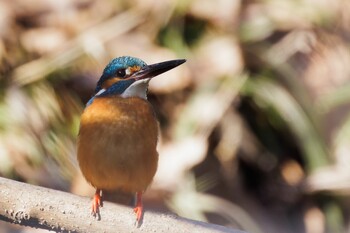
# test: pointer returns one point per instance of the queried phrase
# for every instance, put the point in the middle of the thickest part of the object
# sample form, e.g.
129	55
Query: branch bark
44	208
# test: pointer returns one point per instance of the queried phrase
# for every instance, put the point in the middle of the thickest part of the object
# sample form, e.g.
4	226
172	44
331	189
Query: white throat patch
137	89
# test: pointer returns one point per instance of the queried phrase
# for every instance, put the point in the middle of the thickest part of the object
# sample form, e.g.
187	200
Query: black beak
153	70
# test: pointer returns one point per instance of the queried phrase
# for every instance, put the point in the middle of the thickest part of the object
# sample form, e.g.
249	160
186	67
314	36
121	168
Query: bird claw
138	210
96	204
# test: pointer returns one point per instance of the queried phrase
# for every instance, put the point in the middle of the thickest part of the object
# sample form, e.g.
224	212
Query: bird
118	133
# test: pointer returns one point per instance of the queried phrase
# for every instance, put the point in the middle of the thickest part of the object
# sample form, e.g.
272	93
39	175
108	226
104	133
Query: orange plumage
123	132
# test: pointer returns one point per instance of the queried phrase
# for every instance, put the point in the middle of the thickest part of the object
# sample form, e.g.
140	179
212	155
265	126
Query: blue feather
115	65
116	89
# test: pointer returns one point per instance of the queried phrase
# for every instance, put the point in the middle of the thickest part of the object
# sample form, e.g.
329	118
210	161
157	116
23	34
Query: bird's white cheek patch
137	89
100	92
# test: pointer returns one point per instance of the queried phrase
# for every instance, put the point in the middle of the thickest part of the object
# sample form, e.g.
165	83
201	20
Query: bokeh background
254	127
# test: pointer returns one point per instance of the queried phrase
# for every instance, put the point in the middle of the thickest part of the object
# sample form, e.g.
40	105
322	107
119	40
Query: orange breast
117	143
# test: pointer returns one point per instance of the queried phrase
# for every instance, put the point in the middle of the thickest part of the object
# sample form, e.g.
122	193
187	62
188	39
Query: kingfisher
116	146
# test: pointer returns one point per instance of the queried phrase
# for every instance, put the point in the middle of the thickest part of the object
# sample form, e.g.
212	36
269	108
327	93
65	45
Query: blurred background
254	127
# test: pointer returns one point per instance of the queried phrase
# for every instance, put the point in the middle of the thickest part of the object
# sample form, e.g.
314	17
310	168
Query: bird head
129	77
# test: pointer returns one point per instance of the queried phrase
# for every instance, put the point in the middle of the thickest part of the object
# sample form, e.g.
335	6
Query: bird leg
96	203
138	207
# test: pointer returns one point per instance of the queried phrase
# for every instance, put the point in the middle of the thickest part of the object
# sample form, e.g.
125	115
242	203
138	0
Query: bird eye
121	73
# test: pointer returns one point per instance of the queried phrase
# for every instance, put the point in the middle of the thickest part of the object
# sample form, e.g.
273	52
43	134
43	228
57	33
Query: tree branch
44	208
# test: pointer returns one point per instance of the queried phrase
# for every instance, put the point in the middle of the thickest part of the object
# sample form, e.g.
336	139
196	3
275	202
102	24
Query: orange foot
96	203
138	207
